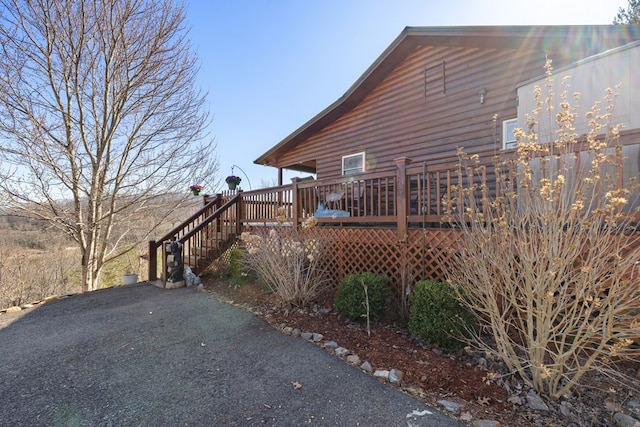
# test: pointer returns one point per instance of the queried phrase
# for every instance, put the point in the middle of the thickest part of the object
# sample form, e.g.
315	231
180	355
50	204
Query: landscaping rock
366	366
381	374
535	402
634	406
342	352
466	416
624	420
395	376
452	407
175	285
566	409
353	359
288	330
331	344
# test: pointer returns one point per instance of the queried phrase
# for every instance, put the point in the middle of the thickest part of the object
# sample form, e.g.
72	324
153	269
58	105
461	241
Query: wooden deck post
153	261
295	202
239	213
216	207
401	197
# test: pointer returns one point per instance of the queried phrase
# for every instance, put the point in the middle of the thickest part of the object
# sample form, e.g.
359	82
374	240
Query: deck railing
348	199
261	206
390	198
411	194
178	232
431	186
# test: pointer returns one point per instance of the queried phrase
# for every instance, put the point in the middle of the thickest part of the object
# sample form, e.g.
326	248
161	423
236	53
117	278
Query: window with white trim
508	138
353	163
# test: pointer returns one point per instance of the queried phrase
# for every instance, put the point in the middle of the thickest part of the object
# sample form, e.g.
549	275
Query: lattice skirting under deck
378	251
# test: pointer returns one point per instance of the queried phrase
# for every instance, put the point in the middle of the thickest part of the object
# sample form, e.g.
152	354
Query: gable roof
579	40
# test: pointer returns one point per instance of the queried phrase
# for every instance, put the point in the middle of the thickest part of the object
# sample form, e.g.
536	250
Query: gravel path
142	356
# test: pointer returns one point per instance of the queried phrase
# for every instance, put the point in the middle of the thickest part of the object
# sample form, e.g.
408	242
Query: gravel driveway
143	356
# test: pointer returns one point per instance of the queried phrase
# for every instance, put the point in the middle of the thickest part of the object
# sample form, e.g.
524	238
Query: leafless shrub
549	263
290	261
29	275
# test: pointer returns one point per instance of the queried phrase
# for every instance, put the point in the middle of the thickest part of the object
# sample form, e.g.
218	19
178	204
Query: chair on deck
331	207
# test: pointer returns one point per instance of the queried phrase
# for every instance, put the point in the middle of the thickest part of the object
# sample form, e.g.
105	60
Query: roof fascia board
343	104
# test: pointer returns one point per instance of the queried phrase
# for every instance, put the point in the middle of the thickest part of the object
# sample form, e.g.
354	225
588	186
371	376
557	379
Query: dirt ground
431	375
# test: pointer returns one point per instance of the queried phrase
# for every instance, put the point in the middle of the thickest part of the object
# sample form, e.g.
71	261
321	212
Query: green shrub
239	274
351	298
437	316
235	270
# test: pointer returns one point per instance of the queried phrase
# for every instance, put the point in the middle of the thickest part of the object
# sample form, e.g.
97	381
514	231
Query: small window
508	138
353	163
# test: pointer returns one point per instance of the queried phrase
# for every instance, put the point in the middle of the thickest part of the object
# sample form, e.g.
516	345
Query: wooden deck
385	222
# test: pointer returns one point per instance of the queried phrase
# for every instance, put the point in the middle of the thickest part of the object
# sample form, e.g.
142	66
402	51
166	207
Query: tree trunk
91	271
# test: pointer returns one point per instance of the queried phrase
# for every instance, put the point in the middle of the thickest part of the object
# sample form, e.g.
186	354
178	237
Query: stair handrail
171	235
216	214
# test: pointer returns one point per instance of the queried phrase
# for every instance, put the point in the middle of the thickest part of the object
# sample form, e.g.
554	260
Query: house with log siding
384	154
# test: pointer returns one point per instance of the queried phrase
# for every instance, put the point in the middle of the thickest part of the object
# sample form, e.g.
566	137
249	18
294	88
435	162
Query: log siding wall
397	120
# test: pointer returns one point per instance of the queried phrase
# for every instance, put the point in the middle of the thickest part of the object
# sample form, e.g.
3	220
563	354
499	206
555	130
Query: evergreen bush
351	298
240	275
437	316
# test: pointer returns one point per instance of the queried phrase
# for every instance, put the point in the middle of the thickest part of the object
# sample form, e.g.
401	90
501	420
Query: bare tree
100	121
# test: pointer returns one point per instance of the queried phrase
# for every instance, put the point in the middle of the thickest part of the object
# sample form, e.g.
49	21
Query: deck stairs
204	237
211	247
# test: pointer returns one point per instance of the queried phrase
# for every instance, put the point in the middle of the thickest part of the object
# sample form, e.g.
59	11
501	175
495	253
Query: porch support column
279	177
153	261
217	206
239	213
401	198
296	207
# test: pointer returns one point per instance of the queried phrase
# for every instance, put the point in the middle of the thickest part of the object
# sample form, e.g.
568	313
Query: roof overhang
597	38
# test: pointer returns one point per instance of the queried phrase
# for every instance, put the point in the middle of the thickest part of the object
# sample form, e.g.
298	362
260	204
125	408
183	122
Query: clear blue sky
271	65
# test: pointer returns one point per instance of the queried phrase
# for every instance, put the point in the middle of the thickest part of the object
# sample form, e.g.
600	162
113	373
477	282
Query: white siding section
591	77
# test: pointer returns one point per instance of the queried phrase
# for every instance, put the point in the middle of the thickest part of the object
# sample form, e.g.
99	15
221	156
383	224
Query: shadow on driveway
140	355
